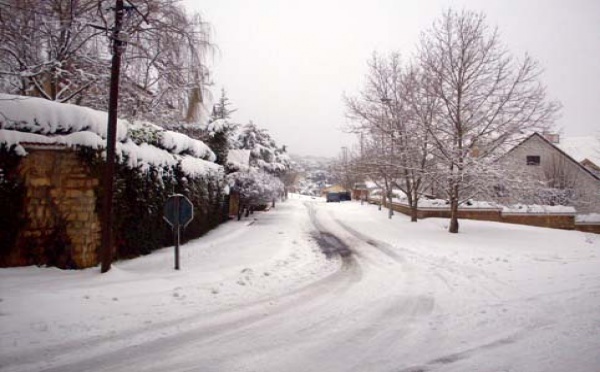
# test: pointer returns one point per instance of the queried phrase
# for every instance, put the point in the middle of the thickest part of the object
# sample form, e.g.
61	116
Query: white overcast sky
286	64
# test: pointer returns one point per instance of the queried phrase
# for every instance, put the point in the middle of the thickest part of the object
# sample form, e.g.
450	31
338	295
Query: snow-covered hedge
152	163
142	144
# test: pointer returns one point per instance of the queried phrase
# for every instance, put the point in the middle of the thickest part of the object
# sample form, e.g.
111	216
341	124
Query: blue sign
178	211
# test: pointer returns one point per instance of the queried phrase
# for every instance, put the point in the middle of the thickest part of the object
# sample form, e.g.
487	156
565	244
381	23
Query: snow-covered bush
256	187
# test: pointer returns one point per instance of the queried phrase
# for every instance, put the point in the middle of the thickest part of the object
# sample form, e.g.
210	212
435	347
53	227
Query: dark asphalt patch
330	245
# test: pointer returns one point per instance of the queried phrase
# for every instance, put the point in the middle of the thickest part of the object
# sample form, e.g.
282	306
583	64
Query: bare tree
47	48
59	50
488	99
394	111
373	116
420	111
165	63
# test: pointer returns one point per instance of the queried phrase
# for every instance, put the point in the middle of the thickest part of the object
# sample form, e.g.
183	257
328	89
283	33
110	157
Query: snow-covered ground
260	295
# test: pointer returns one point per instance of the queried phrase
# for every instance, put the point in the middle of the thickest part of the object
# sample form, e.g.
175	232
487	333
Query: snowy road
313	286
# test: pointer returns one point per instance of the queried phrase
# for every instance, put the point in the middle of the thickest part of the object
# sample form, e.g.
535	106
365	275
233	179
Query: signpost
178	212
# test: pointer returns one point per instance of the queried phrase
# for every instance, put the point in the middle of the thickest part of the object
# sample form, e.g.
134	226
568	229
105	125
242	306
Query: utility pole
361	145
388	125
345	166
107	203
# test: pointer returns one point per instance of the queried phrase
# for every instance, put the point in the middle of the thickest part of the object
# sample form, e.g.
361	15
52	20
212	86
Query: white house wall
585	185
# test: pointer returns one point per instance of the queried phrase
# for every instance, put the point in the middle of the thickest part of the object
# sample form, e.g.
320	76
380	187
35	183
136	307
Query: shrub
12	193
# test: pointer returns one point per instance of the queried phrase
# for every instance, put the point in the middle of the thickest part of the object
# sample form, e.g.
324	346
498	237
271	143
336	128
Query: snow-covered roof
239	158
39	121
581	148
371	185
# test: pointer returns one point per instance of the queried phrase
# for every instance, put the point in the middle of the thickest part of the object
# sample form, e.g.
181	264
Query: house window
533	160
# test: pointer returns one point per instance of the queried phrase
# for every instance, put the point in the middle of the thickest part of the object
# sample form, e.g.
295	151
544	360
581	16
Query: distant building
332	188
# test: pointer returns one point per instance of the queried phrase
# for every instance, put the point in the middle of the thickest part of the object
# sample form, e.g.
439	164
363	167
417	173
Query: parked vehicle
333	197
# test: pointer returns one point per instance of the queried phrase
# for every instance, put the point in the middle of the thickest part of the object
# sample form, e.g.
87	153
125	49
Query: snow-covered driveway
315	286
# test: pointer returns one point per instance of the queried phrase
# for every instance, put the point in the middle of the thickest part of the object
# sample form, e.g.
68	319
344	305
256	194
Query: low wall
555	221
485	214
563	221
588	227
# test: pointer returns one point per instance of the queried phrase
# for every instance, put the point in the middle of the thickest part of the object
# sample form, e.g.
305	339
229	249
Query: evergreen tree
219	129
265	154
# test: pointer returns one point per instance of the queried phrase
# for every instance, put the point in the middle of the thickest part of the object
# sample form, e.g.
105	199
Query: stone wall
62	227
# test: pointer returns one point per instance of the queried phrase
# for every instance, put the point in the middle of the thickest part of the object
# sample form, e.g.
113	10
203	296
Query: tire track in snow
385	248
122	348
167	339
451	358
389	251
439	265
451	274
399	311
330	244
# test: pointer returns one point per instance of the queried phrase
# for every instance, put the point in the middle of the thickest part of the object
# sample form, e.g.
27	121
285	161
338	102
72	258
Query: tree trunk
413	212
453	228
413	202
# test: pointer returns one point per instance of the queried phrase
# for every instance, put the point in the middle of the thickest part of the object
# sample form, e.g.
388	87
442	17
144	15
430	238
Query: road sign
178	212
